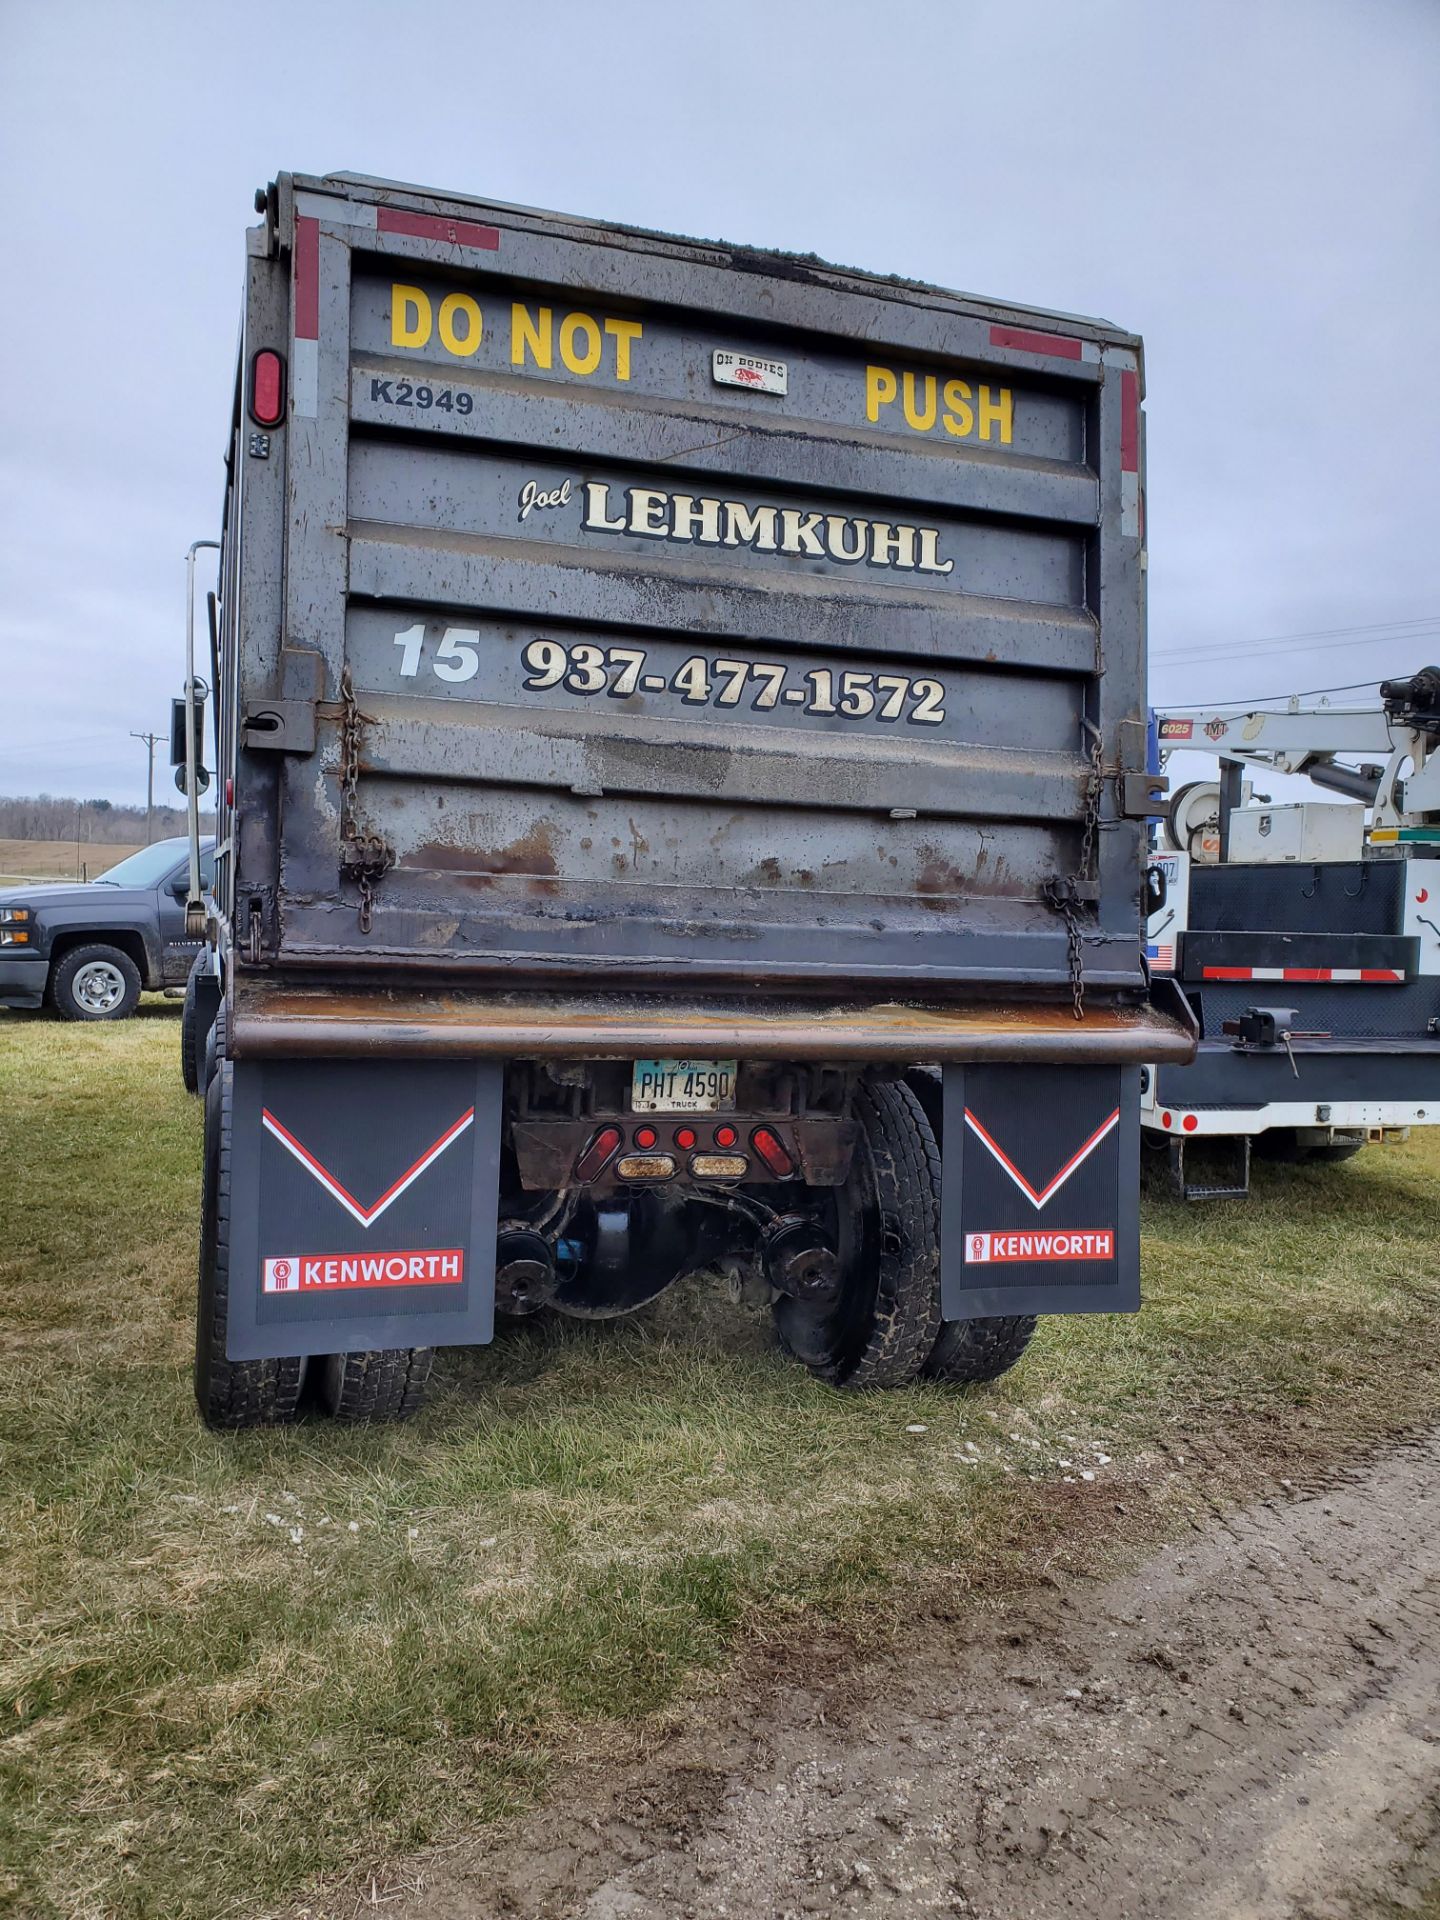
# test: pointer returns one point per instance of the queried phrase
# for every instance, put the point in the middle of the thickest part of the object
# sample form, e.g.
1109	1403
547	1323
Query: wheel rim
99	986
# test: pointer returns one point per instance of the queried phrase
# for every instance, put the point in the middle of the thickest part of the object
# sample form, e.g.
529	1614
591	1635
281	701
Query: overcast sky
1253	186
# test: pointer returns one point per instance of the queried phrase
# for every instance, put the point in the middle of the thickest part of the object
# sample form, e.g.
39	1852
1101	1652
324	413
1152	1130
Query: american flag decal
1161	955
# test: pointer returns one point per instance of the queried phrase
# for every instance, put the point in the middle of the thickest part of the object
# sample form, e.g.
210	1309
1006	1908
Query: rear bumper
300	1022
1392	1083
22	980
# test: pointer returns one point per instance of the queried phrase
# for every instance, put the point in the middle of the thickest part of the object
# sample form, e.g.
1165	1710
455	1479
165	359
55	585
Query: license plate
682	1086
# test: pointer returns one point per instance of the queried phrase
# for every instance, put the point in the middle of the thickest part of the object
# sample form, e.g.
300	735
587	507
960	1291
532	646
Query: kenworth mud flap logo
1096	1244
338	1272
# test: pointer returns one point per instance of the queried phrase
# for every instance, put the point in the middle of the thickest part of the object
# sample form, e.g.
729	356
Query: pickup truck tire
230	1393
94	983
880	1329
387	1384
973	1350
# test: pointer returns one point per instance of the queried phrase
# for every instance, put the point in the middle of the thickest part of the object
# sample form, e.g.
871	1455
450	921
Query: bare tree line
48	816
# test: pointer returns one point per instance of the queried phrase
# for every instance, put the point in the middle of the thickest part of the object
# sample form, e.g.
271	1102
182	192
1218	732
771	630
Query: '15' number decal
456	658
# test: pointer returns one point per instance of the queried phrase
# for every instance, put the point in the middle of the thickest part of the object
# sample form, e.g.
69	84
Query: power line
1244	649
1326	633
1303	693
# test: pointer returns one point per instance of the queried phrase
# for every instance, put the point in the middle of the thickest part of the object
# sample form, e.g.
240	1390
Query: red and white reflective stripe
1130	521
367	1216
1383	976
1045	1194
305	362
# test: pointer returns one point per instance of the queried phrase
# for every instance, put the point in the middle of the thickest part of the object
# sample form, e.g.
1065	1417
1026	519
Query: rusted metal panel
674	676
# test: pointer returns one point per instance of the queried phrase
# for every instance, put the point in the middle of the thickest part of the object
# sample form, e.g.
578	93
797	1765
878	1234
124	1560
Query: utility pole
149	739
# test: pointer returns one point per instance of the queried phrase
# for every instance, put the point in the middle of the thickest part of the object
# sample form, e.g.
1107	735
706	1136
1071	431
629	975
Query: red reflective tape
1057	346
1306	973
1225	973
435	226
1387	974
307	278
1130	422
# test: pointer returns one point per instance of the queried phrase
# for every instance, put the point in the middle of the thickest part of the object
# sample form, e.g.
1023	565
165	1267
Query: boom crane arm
1404	728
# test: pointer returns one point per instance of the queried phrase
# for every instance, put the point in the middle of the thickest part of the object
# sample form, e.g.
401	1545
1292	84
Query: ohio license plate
682	1086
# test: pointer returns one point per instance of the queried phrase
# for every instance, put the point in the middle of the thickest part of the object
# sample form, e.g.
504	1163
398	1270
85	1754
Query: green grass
231	1666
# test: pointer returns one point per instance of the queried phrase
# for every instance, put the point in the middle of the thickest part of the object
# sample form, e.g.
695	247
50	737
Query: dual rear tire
880	1327
883	1327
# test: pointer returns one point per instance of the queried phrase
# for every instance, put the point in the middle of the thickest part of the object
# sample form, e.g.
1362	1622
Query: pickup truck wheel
94	983
878	1329
971	1350
386	1384
230	1393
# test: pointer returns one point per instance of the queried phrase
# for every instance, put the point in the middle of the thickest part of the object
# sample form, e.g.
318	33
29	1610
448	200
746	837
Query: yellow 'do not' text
585	343
928	403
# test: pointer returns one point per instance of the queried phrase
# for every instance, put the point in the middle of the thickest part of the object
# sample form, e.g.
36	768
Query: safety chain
364	857
1064	895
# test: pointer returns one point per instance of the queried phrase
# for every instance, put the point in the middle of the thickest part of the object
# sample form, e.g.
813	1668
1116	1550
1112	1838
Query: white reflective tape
336	213
305	379
1130	505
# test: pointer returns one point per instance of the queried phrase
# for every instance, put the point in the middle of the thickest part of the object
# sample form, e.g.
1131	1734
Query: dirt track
1245	1729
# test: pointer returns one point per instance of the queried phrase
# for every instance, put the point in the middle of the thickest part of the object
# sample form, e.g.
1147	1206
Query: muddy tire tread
386	1383
971	1351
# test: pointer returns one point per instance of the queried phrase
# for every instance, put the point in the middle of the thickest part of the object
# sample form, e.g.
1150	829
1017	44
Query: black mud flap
362	1205
1041	1195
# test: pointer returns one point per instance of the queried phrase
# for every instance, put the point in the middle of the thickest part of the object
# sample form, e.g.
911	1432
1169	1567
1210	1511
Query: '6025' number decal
623	672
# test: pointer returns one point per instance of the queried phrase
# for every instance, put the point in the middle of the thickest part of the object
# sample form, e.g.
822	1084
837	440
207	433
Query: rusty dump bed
615	611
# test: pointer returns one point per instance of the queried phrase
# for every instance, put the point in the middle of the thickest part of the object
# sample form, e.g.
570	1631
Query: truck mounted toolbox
681	728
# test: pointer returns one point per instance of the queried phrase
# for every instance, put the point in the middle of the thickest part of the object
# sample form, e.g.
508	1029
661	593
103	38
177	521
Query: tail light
596	1156
772	1152
267	388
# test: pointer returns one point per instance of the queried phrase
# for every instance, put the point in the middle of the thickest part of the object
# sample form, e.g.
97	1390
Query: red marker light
772	1152
267	388
725	1136
685	1137
598	1153
1189	1123
645	1136
1165	1119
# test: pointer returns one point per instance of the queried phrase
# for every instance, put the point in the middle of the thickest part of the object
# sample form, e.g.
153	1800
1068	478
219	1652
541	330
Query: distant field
233	1666
59	859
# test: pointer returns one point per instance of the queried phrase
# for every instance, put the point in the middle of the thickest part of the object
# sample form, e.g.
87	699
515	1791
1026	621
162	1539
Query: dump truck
682	782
